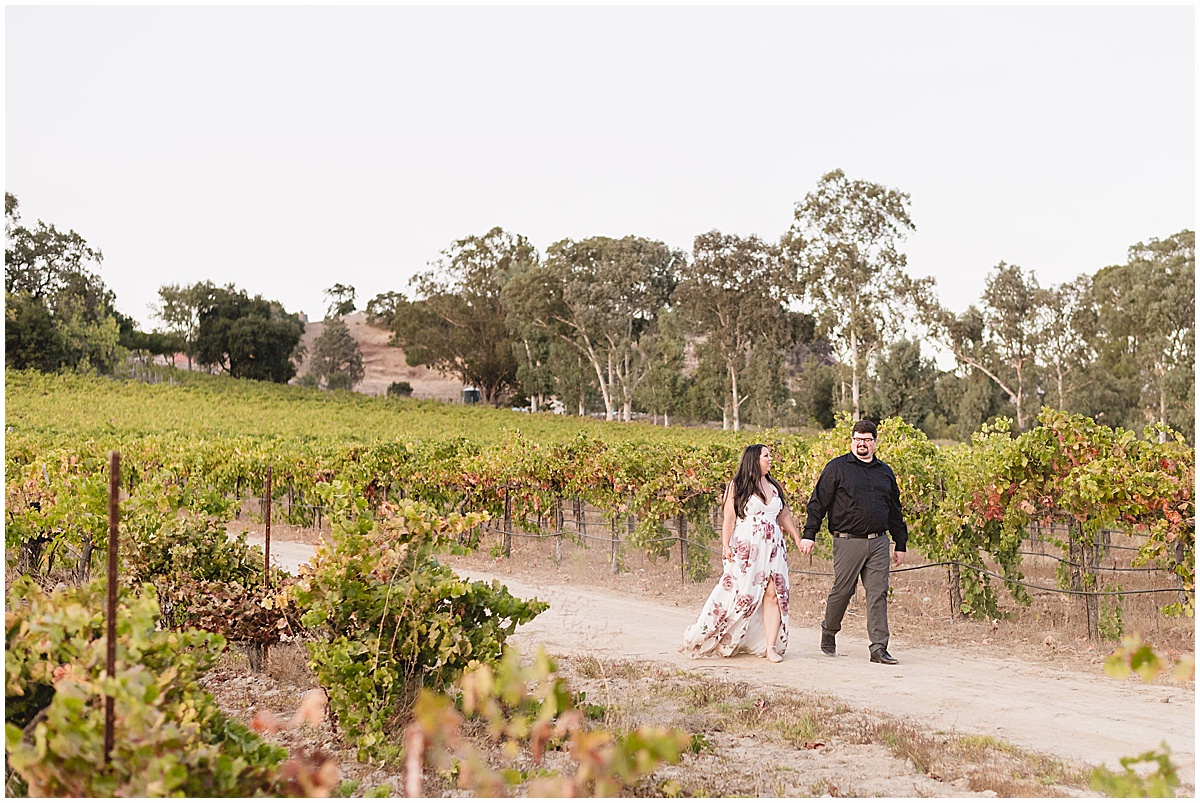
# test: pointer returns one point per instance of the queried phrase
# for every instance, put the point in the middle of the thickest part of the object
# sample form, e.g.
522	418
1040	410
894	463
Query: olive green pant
853	558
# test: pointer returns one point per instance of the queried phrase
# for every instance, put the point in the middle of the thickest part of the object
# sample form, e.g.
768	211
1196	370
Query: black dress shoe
828	646
882	657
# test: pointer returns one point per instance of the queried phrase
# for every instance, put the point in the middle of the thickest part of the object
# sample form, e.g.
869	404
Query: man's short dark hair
865	426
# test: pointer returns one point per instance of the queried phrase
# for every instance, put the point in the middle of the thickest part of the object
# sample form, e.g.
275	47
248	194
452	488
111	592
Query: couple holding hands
747	611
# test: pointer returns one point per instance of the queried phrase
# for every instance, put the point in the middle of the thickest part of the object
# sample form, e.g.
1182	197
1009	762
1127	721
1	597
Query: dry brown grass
807	721
747	742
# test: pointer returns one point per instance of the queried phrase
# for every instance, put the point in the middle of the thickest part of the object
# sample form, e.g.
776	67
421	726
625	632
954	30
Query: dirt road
1073	715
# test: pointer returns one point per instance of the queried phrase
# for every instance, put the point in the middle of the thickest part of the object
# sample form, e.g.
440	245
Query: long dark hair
746	481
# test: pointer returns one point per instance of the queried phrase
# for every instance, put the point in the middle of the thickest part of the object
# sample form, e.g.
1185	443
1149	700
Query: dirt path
1073	715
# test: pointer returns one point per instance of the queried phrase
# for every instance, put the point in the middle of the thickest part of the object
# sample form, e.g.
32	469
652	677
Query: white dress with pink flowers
731	620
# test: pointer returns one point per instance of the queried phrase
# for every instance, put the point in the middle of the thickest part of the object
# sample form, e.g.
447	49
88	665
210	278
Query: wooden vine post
267	537
614	543
1091	583
507	524
110	659
558	529
267	550
683	560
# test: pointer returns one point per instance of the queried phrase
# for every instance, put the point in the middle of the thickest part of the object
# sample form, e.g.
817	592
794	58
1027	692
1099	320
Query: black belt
852	535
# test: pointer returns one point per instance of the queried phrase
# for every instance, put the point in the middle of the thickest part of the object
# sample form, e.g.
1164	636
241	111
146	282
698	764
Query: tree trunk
733	385
1062	404
955	582
1020	397
854	374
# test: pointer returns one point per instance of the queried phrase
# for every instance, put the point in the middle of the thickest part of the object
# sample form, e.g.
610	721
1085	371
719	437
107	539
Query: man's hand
806	545
898	558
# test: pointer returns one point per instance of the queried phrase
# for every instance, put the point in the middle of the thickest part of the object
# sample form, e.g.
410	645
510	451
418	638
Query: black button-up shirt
860	498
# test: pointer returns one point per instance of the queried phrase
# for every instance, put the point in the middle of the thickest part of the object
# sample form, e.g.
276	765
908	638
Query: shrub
203	578
527	711
170	737
394	619
339	380
401	388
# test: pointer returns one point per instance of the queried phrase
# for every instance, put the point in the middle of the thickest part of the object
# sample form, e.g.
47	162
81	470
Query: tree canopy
248	338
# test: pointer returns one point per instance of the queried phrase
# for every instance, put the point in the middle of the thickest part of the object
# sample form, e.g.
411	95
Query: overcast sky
284	149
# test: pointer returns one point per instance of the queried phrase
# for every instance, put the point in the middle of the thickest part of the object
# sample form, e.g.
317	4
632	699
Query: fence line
1102	541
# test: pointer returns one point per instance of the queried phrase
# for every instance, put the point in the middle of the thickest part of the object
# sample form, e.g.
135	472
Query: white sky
288	148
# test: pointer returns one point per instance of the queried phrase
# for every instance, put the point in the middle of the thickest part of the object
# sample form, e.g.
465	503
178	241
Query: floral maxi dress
731	620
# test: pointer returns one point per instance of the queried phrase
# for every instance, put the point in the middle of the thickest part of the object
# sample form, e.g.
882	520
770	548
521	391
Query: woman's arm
727	523
788	523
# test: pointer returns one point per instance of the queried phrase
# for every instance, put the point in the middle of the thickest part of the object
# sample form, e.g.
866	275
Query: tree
843	245
1147	311
731	293
601	296
665	387
62	315
1066	340
341	300
970	398
149	344
1012	304
335	353
179	307
905	384
248	338
381	310
1001	337
459	326
31	340
535	376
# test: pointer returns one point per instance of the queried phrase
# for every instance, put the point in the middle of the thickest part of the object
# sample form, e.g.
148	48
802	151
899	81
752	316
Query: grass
710	706
745	742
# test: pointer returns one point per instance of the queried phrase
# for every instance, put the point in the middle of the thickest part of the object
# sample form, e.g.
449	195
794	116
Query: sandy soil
1081	716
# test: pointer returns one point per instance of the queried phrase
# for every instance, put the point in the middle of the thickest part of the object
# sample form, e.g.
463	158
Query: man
860	494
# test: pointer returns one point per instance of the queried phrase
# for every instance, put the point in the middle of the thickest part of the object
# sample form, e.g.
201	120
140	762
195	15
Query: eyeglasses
863	440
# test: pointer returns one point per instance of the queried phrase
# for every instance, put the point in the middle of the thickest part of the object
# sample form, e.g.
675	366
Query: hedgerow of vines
964	503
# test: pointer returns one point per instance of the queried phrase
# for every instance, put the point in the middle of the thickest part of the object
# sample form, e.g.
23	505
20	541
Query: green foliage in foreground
391	618
527	711
170	737
1160	781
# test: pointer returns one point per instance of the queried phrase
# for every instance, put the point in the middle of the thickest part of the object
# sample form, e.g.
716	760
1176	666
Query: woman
755	574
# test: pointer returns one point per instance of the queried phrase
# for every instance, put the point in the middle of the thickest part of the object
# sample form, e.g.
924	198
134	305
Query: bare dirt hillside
385	364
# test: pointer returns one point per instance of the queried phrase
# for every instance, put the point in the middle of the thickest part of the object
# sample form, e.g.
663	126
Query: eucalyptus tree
1066	340
1012	305
458	323
601	296
905	383
1147	310
1000	338
844	248
732	294
665	387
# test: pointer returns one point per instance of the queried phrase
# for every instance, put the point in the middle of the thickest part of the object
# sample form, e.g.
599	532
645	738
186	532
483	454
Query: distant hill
385	364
